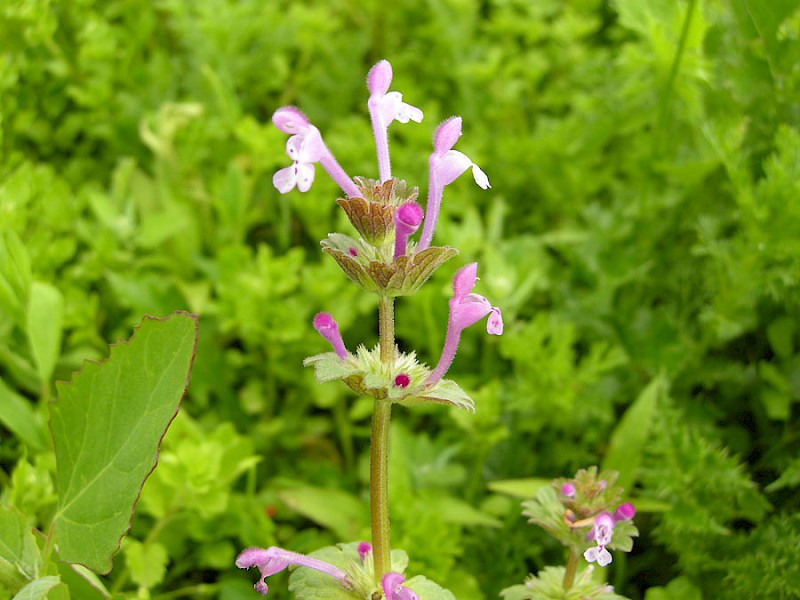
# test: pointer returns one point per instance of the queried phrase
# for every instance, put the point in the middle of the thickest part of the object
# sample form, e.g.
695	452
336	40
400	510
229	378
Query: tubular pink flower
385	107
364	549
273	560
446	165
406	222
601	532
568	490
624	512
305	148
328	328
393	588
466	309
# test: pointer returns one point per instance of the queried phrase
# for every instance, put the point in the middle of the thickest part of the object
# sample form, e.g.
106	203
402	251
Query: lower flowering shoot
585	515
342	572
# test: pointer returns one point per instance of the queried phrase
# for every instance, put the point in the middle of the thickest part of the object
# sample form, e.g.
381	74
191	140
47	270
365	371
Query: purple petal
624	512
464	280
379	78
447	135
394	590
469	311
409	216
290	119
567	489
364	548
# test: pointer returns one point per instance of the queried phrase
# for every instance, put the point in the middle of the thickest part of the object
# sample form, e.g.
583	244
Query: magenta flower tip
568	489
290	119
364	548
402	380
625	512
379	78
409	216
328	328
325	320
447	135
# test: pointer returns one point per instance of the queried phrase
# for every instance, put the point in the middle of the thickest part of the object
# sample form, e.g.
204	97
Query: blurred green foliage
641	233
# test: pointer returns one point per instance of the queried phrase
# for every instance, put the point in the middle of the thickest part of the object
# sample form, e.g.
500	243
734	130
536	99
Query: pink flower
601	532
446	165
328	328
466	308
273	560
305	148
393	588
406	222
385	107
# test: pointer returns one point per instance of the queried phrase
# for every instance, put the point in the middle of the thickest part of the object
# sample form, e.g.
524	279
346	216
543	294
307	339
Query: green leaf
45	316
18	415
342	513
36	590
626	447
428	590
520	488
15	276
19	556
107	427
147	562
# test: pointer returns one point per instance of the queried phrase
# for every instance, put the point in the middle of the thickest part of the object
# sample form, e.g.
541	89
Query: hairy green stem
572	569
379	451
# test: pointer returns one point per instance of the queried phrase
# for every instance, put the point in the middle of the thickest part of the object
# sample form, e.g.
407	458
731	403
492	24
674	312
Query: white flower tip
407	113
480	177
379	78
494	325
290	119
284	180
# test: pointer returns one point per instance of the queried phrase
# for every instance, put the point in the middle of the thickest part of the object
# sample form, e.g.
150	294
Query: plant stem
572	569
379	451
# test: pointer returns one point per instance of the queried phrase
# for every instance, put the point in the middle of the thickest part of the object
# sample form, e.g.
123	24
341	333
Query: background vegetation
641	237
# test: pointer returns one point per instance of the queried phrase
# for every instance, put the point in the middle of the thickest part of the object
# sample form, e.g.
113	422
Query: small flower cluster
585	514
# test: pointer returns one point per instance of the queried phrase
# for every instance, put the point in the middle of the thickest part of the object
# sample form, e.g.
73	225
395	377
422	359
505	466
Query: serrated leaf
427	589
36	590
447	391
107	426
626	448
44	322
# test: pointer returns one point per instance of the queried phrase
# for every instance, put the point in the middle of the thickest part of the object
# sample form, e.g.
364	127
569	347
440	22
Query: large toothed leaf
107	426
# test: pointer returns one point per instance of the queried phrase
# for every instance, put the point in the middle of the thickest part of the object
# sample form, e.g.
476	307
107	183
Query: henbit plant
384	261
